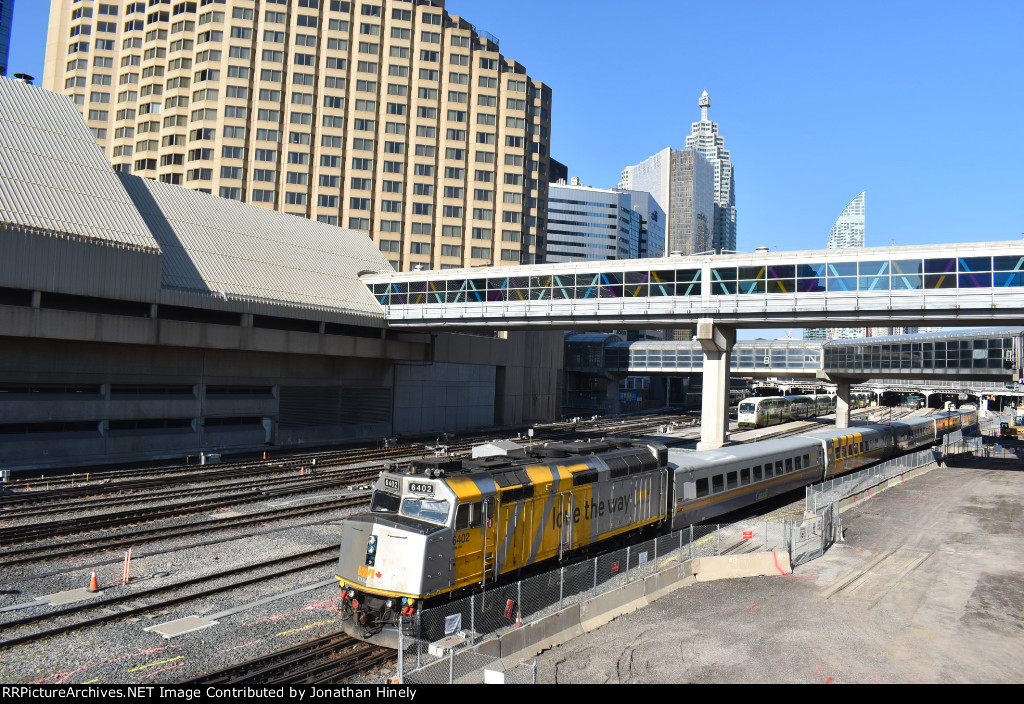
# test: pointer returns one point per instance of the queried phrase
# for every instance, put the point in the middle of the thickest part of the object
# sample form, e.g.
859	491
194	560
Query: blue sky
921	104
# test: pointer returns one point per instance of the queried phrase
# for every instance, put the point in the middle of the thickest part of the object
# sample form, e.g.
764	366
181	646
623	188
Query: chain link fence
438	648
821	495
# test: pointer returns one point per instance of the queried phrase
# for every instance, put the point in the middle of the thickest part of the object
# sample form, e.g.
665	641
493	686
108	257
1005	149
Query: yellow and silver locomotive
446	526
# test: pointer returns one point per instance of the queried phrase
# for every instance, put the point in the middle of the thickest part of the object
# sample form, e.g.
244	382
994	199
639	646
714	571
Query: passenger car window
702	487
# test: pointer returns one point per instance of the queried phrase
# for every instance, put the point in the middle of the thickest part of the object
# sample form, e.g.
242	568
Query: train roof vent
577	448
446	464
487	464
549	450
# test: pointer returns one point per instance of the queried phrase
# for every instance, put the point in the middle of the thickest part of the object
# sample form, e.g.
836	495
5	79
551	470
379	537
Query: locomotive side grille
519	493
618	467
586	477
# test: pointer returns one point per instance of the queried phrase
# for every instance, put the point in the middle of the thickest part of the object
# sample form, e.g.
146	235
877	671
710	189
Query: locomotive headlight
371	551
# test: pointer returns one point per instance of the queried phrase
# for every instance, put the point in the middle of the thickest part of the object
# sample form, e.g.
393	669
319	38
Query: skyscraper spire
704	103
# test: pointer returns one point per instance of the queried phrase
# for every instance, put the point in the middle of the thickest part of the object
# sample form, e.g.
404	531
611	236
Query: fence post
691	541
472	618
680	547
561	586
718	539
401	651
595	574
451	666
519	596
627	564
419	636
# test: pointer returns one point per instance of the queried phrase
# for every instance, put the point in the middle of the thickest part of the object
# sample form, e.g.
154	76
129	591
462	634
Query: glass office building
6	15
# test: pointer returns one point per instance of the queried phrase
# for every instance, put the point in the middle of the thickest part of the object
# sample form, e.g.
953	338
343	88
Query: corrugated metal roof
235	256
55	178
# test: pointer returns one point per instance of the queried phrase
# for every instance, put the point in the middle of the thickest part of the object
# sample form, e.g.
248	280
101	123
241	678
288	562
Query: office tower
6	15
847	231
683	182
557	172
704	138
586	223
391	117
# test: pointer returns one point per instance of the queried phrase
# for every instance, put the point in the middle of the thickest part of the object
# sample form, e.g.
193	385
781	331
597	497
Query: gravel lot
123	652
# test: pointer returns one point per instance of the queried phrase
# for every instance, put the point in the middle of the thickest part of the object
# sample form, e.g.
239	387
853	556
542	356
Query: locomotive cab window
383	502
430	510
471	515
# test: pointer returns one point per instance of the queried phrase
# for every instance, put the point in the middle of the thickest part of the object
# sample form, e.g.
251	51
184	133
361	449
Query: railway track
212	499
22	493
327	659
116	542
86	616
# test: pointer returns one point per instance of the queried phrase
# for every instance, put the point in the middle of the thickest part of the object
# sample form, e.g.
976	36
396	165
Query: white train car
760	412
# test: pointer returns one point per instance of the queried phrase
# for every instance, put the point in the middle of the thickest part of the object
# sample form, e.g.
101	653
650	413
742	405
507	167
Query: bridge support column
716	342
843	404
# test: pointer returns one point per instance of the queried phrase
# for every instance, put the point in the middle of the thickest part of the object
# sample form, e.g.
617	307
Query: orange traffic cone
93	584
519	619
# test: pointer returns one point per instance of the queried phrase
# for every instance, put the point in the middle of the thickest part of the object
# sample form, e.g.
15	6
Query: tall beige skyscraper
704	138
391	117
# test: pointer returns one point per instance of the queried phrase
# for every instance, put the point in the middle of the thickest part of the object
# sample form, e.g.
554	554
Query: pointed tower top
704	103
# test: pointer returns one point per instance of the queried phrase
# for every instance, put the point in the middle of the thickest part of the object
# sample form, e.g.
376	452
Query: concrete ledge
661	583
764	564
538	636
598	611
869	493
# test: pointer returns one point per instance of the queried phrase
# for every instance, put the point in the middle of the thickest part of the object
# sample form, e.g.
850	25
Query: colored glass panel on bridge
772	279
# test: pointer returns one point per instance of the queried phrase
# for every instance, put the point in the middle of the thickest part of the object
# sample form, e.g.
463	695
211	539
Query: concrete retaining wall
762	564
854	499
